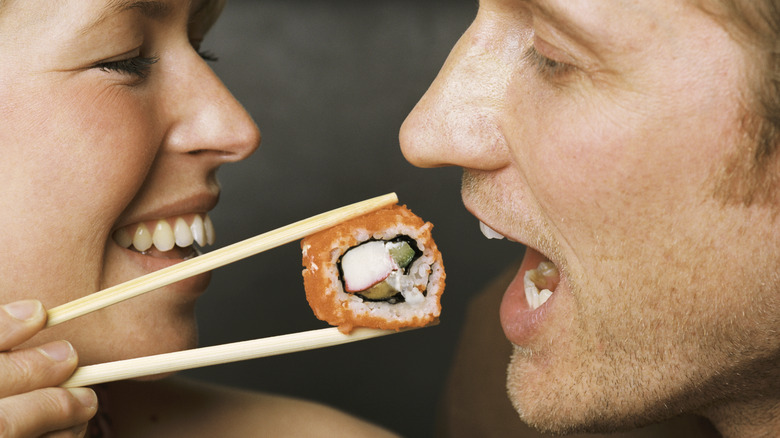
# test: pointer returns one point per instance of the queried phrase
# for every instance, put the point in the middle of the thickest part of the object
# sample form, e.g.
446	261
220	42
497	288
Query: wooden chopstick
215	259
218	354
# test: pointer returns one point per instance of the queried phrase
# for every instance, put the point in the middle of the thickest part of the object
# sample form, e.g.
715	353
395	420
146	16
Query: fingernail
58	351
85	396
23	310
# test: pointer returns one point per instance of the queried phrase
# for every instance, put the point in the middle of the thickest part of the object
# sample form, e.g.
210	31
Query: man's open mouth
539	282
177	237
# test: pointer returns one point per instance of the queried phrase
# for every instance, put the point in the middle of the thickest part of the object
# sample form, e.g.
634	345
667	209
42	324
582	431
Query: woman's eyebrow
149	8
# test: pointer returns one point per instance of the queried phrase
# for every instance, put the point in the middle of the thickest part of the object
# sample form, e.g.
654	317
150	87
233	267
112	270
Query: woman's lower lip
149	263
177	254
518	320
158	259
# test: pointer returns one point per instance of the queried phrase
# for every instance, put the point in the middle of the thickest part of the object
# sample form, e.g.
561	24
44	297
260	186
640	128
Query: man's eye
208	56
138	66
547	67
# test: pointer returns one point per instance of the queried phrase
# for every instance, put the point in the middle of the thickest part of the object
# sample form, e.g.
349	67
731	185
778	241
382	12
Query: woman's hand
31	404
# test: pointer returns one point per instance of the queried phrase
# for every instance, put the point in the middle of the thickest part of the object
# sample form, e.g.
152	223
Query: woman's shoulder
181	407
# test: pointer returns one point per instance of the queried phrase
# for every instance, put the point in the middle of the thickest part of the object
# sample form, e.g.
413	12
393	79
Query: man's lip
498	230
519	322
489	232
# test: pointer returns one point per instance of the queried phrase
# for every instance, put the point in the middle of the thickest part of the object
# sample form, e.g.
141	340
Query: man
630	146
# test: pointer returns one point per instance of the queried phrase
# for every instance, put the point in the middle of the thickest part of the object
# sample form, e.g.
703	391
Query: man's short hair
751	176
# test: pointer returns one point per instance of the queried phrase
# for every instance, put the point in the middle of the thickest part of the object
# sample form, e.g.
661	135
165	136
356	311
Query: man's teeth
538	282
185	231
489	232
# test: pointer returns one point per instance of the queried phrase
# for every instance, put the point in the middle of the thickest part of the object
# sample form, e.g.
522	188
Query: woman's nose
209	120
457	121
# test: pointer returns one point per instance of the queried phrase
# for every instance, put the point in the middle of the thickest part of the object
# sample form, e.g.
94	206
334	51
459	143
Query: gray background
329	83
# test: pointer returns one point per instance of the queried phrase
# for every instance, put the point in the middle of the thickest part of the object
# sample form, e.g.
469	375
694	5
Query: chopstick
215	259
218	354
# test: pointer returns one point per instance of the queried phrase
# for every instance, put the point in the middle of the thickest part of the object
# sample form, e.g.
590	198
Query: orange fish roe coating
324	287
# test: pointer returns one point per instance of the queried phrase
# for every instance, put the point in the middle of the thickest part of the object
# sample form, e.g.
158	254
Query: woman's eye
547	67
139	66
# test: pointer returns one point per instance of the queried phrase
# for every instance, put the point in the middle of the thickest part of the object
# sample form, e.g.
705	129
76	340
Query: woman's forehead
205	11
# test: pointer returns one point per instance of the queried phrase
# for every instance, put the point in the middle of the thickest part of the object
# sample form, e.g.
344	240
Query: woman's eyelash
546	66
139	66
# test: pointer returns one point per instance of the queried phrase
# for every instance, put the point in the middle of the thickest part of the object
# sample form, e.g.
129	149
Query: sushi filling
378	270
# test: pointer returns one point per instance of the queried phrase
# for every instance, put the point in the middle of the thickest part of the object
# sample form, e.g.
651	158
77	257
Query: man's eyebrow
548	11
149	8
556	13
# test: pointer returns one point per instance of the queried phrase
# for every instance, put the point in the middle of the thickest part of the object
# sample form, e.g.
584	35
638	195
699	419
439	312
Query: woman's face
109	118
596	133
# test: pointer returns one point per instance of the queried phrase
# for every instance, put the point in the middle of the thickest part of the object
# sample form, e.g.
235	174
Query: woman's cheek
113	132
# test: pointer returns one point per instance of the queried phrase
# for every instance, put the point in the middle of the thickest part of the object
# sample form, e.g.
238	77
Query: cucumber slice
401	252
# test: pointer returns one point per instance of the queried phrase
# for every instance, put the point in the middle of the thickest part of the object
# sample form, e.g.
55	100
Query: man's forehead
600	19
572	9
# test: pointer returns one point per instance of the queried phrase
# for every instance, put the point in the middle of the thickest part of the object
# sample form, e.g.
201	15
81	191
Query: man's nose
457	121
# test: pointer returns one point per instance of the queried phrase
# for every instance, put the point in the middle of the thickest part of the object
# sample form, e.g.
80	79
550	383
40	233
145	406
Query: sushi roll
381	270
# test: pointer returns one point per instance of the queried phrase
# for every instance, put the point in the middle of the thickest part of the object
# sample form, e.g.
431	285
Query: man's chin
552	405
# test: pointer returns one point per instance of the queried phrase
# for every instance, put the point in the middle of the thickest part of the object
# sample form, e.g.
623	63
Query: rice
420	286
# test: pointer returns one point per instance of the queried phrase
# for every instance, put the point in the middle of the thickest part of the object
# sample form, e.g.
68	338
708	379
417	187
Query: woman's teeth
539	283
489	232
163	236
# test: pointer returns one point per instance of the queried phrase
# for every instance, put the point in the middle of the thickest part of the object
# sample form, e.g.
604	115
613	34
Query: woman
113	126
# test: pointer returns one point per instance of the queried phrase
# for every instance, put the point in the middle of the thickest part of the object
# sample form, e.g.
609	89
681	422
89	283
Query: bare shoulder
179	407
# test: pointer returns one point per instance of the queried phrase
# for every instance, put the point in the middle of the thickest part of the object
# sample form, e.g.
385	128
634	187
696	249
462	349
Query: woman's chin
137	340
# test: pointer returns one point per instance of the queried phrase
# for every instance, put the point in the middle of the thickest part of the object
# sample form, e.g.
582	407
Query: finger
74	432
45	411
19	321
33	368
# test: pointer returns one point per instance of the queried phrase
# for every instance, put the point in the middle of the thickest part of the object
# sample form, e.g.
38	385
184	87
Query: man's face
596	133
